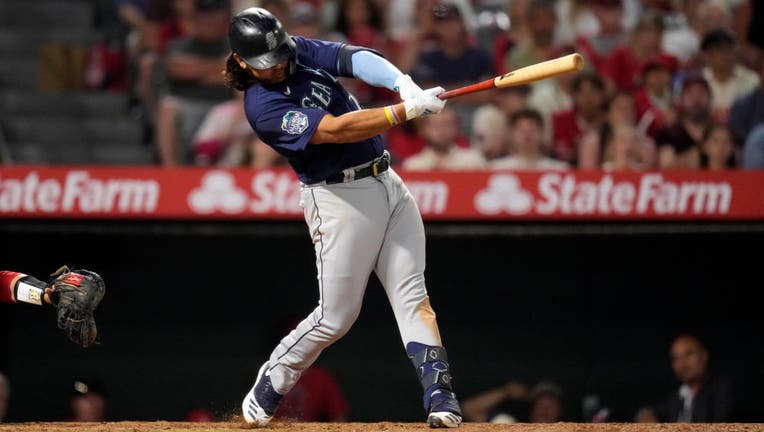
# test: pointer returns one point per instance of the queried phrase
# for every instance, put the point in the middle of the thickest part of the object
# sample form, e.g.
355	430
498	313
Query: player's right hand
425	103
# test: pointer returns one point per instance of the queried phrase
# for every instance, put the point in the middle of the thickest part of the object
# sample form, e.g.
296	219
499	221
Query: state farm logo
269	192
565	194
78	192
218	192
504	193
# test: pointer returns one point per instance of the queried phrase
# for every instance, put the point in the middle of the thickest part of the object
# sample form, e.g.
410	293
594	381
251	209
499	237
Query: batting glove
425	103
406	87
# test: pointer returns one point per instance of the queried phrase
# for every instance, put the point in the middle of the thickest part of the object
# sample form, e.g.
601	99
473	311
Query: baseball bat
535	72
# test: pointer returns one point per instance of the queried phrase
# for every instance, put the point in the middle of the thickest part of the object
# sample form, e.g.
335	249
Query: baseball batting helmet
260	40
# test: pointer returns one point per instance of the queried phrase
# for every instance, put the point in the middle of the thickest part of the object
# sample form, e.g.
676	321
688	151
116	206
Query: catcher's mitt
75	295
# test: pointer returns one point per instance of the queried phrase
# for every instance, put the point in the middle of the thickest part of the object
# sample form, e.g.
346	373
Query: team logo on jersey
271	41
294	122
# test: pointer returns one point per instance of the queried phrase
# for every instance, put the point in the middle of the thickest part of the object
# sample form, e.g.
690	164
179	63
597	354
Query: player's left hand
406	87
75	295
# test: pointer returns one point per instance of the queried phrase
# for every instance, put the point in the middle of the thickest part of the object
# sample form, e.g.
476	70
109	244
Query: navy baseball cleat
261	402
444	410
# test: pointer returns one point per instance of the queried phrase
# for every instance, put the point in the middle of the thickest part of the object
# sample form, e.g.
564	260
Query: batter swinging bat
536	72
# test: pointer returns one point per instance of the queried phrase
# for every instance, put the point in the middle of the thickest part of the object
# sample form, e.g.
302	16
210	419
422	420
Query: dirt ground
374	427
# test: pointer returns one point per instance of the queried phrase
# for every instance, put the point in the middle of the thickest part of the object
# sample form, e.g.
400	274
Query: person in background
654	101
455	61
621	151
630	149
539	46
701	397
5	393
490	130
726	77
88	401
679	142
513	402
717	150
526	145
441	151
597	47
195	85
622	69
587	115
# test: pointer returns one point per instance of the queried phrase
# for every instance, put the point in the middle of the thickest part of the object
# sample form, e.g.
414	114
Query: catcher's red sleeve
8	281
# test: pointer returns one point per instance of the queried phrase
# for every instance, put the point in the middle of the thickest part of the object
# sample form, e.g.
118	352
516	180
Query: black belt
374	169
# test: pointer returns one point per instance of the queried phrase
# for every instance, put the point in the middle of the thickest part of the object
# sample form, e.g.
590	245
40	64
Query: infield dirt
374	427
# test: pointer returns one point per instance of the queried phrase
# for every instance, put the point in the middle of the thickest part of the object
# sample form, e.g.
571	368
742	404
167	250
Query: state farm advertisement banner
197	193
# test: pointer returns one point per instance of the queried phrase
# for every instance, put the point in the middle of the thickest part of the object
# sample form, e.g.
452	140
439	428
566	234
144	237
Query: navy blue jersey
286	115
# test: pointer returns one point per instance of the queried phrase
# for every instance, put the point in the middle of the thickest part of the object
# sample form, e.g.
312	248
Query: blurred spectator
304	21
5	393
526	145
545	403
597	48
454	61
165	22
587	115
538	46
717	150
503	43
679	142
654	100
88	401
193	68
753	149
623	67
441	151
504	404
701	397
512	403
489	132
317	397
225	138
747	111
725	75
361	24
627	149
684	30
550	97
621	150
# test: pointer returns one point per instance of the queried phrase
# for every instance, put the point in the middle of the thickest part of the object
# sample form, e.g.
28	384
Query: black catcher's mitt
76	294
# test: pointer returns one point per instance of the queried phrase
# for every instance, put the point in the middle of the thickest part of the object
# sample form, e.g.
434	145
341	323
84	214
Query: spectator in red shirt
623	67
587	115
654	101
597	48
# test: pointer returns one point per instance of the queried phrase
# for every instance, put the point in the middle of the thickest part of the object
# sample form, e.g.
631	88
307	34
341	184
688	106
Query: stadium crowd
667	83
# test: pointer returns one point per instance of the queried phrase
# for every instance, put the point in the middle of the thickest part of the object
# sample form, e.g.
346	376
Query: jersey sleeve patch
294	122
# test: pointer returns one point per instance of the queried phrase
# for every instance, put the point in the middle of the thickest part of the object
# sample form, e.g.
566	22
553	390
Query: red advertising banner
199	193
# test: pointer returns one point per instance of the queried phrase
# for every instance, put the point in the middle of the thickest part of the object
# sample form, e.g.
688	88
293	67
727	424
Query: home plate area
378	427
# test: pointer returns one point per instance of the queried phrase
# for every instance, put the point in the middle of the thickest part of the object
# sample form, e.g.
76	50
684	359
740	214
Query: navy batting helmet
260	40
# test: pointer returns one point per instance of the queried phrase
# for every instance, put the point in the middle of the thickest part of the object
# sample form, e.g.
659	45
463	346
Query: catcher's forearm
18	287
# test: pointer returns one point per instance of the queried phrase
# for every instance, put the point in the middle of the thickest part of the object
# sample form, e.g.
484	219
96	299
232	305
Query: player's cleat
444	410
262	400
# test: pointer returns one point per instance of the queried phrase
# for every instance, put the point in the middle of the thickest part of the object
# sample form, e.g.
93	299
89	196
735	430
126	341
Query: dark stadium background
192	310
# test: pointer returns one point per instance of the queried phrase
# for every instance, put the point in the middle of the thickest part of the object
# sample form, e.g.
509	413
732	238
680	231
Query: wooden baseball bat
536	72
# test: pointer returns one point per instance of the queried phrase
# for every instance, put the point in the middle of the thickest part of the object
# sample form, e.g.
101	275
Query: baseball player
74	295
360	215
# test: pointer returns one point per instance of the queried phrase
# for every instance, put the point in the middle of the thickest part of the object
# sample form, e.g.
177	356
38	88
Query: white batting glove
406	87
425	103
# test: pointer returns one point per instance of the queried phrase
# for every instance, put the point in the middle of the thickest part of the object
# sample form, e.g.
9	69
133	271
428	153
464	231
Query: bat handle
485	85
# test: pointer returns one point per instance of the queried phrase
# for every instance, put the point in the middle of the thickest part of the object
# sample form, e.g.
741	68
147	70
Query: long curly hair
236	77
